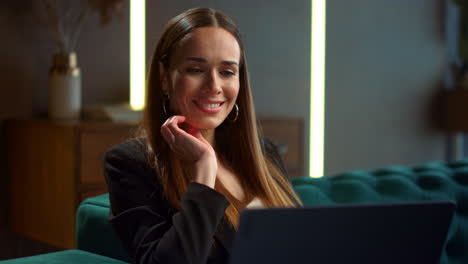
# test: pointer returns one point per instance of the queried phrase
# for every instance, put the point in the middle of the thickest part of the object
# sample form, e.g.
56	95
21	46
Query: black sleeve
151	230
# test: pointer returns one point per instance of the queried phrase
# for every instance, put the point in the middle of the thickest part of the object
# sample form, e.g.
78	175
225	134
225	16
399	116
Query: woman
177	192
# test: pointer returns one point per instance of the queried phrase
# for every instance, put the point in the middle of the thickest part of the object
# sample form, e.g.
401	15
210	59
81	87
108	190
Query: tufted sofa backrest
434	181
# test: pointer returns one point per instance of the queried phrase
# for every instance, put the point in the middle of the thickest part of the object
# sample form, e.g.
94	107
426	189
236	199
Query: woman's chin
204	124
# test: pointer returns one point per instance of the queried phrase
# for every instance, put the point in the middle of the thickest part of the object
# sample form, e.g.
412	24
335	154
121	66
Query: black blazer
152	230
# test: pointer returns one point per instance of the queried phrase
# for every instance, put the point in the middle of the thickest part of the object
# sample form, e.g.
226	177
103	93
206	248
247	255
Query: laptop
373	233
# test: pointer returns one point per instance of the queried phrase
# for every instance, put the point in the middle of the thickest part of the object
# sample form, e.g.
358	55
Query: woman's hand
192	147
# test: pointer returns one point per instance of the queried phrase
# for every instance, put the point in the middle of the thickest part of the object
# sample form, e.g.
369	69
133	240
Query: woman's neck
209	135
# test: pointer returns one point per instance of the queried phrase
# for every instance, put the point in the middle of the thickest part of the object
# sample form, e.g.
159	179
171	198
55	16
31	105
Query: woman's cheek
233	91
182	94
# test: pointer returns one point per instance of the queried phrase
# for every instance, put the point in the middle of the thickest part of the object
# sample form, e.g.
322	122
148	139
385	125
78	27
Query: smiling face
203	77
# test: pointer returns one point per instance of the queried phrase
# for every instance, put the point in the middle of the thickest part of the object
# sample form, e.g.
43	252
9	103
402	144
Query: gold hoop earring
165	100
237	114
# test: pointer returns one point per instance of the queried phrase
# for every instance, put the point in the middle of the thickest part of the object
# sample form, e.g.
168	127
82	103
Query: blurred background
388	66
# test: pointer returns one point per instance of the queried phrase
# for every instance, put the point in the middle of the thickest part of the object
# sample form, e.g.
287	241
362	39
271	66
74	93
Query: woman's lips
209	107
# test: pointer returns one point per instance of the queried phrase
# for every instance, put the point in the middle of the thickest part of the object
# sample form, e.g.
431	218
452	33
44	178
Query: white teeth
209	105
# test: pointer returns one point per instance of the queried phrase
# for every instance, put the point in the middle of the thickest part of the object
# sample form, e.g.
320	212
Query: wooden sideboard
53	166
456	110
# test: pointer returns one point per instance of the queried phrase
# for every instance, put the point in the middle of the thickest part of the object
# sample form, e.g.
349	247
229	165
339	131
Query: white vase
64	100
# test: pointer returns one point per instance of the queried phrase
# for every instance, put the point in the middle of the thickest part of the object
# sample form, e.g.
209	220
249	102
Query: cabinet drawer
92	148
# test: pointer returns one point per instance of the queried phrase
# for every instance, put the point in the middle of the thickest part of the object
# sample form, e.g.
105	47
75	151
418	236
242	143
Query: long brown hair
237	143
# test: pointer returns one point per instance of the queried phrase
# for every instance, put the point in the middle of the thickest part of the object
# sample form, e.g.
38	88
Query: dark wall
384	69
27	48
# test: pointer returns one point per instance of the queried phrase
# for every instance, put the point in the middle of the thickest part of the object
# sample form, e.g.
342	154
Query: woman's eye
227	73
194	70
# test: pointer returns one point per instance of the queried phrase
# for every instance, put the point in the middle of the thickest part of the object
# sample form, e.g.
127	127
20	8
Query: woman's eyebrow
230	63
197	59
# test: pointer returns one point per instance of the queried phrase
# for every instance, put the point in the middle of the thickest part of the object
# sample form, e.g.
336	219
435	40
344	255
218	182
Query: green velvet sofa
435	181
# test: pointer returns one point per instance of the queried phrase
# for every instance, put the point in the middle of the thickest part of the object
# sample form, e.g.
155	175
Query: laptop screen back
384	233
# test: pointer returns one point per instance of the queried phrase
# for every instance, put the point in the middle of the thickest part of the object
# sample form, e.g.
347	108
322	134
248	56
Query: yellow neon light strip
317	88
137	53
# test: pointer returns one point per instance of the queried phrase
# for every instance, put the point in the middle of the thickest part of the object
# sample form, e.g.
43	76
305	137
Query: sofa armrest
93	231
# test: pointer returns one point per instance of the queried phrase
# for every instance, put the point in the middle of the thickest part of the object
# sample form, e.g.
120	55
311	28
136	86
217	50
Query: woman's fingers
175	127
173	133
167	135
170	128
175	120
173	123
184	139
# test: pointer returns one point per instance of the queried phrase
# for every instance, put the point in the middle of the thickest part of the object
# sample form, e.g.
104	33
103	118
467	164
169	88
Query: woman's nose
213	84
